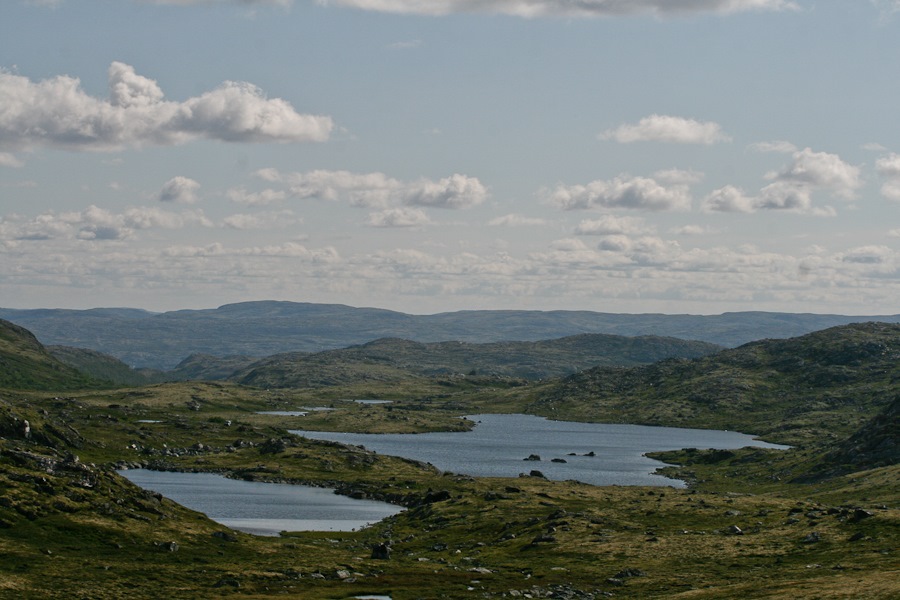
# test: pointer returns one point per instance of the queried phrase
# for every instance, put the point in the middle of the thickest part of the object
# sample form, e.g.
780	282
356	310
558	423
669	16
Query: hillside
822	385
103	366
818	521
26	365
391	359
258	329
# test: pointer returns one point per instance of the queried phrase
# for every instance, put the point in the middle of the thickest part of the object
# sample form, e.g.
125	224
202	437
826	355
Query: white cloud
689	230
147	217
58	113
792	188
284	3
891	189
871	255
874	147
182	190
820	170
263	220
679	176
555	8
399	217
516	220
94	223
729	199
10	160
261	198
612	225
377	190
777	146
889	168
665	128
456	191
624	191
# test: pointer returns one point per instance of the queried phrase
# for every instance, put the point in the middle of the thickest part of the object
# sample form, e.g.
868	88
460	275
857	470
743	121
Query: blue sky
608	155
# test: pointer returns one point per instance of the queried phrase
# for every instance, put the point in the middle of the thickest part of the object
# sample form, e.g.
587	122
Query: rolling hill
820	386
26	365
258	329
396	358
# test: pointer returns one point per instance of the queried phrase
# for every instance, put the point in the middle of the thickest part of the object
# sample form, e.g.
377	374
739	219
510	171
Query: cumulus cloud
399	217
58	113
889	168
180	189
792	187
820	170
666	128
555	8
624	191
94	223
377	190
456	191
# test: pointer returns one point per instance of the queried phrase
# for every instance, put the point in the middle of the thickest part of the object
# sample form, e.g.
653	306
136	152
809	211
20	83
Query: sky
630	156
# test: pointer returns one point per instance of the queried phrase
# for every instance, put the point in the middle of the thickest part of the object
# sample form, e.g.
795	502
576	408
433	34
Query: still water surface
263	508
498	444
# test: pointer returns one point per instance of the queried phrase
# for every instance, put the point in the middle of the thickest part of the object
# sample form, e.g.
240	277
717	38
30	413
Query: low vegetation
818	521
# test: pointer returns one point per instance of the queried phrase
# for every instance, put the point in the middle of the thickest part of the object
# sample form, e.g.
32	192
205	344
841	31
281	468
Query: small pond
595	453
263	508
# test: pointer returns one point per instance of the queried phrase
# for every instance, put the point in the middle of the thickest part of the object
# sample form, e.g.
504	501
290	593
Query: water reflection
595	453
263	508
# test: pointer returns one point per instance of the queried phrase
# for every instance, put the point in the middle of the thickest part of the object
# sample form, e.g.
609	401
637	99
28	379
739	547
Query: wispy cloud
555	8
670	129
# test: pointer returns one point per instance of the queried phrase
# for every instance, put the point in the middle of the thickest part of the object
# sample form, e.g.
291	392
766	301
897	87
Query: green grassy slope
26	364
820	386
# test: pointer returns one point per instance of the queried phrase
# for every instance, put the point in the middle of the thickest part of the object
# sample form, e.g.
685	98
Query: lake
498	444
262	508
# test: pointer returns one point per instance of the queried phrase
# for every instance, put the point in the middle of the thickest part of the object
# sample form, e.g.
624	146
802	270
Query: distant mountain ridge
396	359
263	328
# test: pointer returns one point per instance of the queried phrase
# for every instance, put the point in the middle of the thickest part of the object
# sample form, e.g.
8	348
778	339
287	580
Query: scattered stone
735	530
856	536
558	460
342	574
812	538
167	546
224	535
533	457
629	572
381	551
859	514
536	473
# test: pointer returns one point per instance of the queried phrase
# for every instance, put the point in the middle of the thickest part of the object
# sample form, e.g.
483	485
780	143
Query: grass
486	538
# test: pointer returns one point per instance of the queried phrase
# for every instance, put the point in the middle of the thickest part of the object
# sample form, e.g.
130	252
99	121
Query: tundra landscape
816	520
404	299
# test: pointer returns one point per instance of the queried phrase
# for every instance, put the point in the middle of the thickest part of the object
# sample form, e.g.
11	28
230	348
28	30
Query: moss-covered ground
72	528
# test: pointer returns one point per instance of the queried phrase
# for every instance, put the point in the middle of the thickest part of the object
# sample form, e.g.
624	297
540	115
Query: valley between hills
819	520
